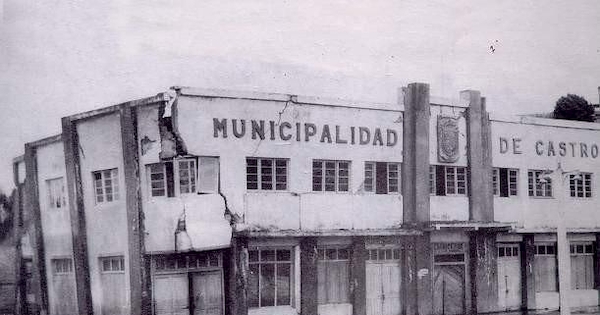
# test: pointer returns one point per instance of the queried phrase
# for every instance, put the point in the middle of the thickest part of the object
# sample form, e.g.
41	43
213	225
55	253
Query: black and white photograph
261	157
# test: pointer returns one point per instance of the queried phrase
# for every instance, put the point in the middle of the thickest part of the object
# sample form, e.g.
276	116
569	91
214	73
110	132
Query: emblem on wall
447	136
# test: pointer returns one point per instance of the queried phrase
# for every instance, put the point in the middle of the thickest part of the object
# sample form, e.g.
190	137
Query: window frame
373	177
151	181
119	260
534	186
273	174
259	262
50	189
455	181
583	186
193	187
114	178
509	176
58	266
323	175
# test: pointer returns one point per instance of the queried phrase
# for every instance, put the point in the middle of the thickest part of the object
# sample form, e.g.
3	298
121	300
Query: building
220	202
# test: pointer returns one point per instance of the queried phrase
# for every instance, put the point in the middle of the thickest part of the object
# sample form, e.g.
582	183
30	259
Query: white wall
532	212
299	205
100	149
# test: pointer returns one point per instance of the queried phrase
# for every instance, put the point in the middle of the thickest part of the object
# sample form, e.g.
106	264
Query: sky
59	58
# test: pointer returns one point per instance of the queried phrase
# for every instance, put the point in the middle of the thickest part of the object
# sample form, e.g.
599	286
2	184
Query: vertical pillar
483	269
308	276
17	208
415	148
77	215
138	274
423	273
32	206
597	258
358	276
479	158
527	275
238	275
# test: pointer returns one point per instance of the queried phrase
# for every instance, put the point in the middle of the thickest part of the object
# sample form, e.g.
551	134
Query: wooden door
383	288
171	295
207	295
114	296
509	282
449	289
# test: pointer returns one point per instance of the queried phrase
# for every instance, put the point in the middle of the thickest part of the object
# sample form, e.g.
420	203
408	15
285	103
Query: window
545	274
106	185
56	193
187	176
270	277
187	261
208	174
383	254
504	182
456	180
62	266
508	250
333	275
157	175
539	186
382	177
112	264
582	266
432	177
447	180
266	174
581	187
331	175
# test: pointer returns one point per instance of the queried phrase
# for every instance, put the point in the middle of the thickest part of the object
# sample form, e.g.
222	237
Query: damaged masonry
222	202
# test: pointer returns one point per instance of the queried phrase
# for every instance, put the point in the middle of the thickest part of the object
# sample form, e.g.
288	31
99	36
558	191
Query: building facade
219	202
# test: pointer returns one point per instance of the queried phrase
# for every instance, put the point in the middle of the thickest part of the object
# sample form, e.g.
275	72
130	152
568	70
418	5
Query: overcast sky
58	58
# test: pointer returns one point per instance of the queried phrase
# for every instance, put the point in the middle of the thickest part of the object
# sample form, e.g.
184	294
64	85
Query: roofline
160	97
45	141
545	122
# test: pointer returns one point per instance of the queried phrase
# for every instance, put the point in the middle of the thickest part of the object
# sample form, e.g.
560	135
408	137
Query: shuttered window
333	269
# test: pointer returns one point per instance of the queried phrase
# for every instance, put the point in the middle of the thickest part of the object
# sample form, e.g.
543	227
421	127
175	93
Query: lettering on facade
551	148
447	138
303	132
448	248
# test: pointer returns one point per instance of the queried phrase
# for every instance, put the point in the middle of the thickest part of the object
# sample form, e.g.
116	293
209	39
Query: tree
6	216
573	107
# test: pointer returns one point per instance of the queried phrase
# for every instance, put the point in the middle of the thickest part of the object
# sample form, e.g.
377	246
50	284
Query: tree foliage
573	107
6	216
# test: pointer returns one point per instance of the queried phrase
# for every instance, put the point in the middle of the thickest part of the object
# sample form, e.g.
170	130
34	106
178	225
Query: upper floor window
382	177
266	174
62	266
106	185
581	186
504	182
447	180
112	264
187	176
331	175
199	175
537	185
56	193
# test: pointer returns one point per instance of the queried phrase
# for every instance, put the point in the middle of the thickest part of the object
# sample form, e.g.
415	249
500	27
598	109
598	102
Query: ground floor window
545	272
582	266
270	277
333	274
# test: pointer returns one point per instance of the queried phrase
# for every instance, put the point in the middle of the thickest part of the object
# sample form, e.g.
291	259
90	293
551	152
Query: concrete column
139	276
238	275
32	208
597	258
527	272
358	276
415	148
479	157
483	271
308	276
77	215
422	273
17	208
